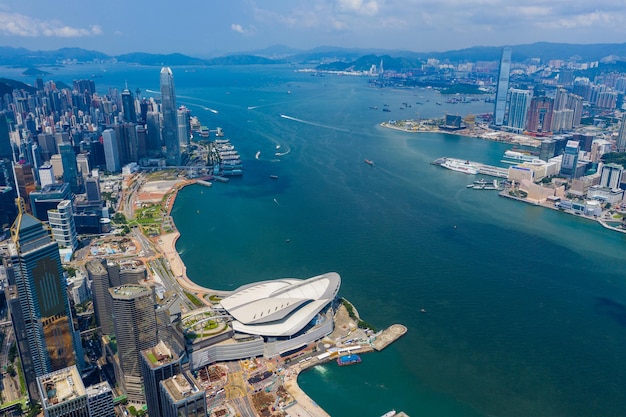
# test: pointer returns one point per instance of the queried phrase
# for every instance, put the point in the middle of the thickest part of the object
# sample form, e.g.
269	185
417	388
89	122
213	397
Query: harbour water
525	307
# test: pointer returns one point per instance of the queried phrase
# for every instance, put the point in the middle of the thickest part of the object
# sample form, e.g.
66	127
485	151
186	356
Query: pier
388	336
491	170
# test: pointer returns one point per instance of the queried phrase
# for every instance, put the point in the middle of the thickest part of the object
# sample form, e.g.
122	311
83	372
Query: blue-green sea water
526	307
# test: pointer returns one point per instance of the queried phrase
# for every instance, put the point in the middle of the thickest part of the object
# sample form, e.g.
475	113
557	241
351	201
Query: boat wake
295	119
210	109
152	91
257	155
276	201
283	153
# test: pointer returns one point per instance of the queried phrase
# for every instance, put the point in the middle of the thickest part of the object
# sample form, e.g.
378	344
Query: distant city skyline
207	29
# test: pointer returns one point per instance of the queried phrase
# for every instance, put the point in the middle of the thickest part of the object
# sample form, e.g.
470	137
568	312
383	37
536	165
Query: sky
205	28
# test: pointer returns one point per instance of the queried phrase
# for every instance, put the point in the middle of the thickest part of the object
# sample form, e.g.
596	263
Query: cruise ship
514	157
459	165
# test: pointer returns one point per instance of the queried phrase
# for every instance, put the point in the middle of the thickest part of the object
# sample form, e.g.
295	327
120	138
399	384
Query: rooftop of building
61	386
159	355
180	386
129	291
98	389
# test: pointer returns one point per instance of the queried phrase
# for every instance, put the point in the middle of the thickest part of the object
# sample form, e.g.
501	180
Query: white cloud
237	27
15	24
367	8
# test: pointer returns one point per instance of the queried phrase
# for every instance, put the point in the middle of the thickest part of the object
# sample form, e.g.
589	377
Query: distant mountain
7	86
143	58
364	63
242	60
356	57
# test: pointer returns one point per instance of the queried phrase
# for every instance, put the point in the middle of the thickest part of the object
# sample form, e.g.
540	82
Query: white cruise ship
460	166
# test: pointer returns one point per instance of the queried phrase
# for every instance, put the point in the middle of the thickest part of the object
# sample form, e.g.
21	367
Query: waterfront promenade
303	405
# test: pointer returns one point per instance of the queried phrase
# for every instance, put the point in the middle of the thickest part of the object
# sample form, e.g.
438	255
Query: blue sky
210	27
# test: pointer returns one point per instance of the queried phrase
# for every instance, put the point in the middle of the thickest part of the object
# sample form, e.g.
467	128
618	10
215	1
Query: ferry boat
348	359
369	162
459	165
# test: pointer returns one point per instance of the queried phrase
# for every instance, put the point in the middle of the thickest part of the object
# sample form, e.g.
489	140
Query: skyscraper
135	328
62	225
169	111
5	141
44	319
70	167
181	397
570	159
102	303
111	154
63	393
157	364
503	87
518	109
128	105
183	125
621	138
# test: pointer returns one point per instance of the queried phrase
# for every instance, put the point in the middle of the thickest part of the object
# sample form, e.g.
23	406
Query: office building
519	103
57	165
102	301
157	364
24	181
169	112
621	138
154	142
92	189
502	88
182	397
47	145
41	316
46	175
70	167
82	161
184	129
135	328
540	114
100	400
48	198
570	159
111	153
128	106
611	176
6	150
62	225
63	394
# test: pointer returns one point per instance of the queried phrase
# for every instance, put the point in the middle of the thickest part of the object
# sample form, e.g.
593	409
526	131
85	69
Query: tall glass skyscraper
503	87
170	122
519	104
41	311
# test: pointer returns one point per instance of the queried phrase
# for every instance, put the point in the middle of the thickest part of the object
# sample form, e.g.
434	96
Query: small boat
274	177
374	107
386	109
369	162
389	413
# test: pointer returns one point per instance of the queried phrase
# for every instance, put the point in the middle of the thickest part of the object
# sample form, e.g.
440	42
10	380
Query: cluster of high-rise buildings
54	142
520	110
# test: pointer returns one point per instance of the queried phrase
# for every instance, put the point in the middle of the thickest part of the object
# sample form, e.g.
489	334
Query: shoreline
414	126
304	405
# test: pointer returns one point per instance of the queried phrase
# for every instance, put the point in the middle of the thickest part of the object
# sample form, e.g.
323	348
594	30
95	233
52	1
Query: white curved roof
280	307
